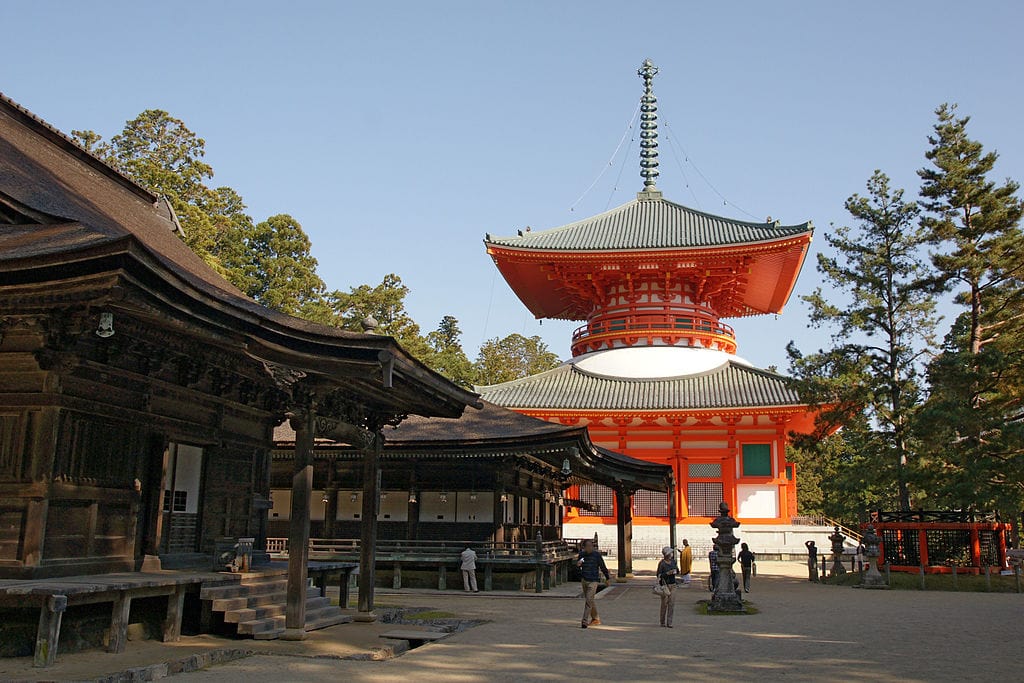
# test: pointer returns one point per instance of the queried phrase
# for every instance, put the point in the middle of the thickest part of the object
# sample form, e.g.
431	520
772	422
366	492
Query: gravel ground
803	632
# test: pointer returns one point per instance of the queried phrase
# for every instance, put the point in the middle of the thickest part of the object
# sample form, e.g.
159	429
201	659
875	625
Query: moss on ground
701	607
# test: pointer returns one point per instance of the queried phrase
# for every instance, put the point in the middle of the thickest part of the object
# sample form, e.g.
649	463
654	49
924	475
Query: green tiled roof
733	385
650	223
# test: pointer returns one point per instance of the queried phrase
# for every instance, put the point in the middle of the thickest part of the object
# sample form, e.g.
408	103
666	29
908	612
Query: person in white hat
667	571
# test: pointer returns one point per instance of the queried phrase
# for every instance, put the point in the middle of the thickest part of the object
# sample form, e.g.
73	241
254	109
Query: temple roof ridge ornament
648	132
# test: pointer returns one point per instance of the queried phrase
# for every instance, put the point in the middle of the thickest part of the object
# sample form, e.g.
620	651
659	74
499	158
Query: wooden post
988	578
119	623
488	577
298	530
172	620
368	537
1016	576
396	578
922	577
48	632
672	511
624	531
954	577
343	588
442	577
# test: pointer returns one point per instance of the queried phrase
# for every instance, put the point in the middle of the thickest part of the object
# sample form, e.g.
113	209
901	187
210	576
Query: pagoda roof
650	222
568	387
495	432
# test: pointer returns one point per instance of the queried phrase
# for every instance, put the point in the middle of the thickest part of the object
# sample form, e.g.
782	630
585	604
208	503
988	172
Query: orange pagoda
654	372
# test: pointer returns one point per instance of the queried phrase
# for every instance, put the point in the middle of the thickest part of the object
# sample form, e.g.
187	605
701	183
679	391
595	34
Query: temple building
139	392
654	372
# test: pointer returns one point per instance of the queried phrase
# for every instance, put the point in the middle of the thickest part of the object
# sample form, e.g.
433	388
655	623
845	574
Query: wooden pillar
331	509
624	531
298	530
119	623
672	511
368	537
172	619
48	631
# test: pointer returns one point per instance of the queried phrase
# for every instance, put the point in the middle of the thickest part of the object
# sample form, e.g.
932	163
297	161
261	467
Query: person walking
812	561
686	563
469	570
667	572
746	559
713	564
591	566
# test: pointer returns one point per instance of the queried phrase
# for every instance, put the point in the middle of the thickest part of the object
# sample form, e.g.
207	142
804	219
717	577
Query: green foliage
972	420
449	358
881	333
280	272
160	153
844	474
512	357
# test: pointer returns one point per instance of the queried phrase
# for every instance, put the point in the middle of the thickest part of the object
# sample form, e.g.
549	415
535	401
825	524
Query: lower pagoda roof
731	385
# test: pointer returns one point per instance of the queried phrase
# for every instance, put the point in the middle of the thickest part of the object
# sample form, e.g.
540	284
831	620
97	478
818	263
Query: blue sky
398	134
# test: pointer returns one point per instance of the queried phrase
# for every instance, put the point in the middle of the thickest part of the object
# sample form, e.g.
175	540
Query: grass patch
431	614
702	608
967	583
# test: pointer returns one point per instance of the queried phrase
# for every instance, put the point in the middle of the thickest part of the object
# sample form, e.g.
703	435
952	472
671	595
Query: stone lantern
872	577
725	598
837	553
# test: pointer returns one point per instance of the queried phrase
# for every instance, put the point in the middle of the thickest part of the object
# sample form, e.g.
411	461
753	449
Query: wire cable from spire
714	189
611	160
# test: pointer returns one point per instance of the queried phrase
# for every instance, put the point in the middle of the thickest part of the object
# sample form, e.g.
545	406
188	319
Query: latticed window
949	546
704	470
601	498
650	504
902	548
703	498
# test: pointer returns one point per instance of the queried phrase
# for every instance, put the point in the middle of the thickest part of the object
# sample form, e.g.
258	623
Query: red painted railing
671	327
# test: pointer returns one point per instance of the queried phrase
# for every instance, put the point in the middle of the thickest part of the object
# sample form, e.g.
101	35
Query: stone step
259	600
270	628
242	589
251	613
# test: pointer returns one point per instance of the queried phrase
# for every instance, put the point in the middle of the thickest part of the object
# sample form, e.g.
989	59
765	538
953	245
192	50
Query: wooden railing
672	325
336	547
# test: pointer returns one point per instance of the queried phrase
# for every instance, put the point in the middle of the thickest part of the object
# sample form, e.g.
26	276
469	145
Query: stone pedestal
725	598
872	577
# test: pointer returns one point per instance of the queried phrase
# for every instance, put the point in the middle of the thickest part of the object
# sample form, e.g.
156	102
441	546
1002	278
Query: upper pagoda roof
650	222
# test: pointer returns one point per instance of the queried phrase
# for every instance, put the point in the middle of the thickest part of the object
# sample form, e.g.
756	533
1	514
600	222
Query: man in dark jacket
591	566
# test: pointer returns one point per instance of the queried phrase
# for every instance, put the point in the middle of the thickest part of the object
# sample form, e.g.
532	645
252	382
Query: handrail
487	549
668	322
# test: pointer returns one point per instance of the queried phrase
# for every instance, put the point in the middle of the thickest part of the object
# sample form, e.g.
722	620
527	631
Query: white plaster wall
189	474
394	507
757	501
479	510
653	361
433	510
282	508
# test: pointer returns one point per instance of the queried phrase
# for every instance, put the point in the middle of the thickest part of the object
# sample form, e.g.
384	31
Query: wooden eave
534	274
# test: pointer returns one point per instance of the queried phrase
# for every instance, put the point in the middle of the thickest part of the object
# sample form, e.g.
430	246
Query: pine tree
972	421
883	325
